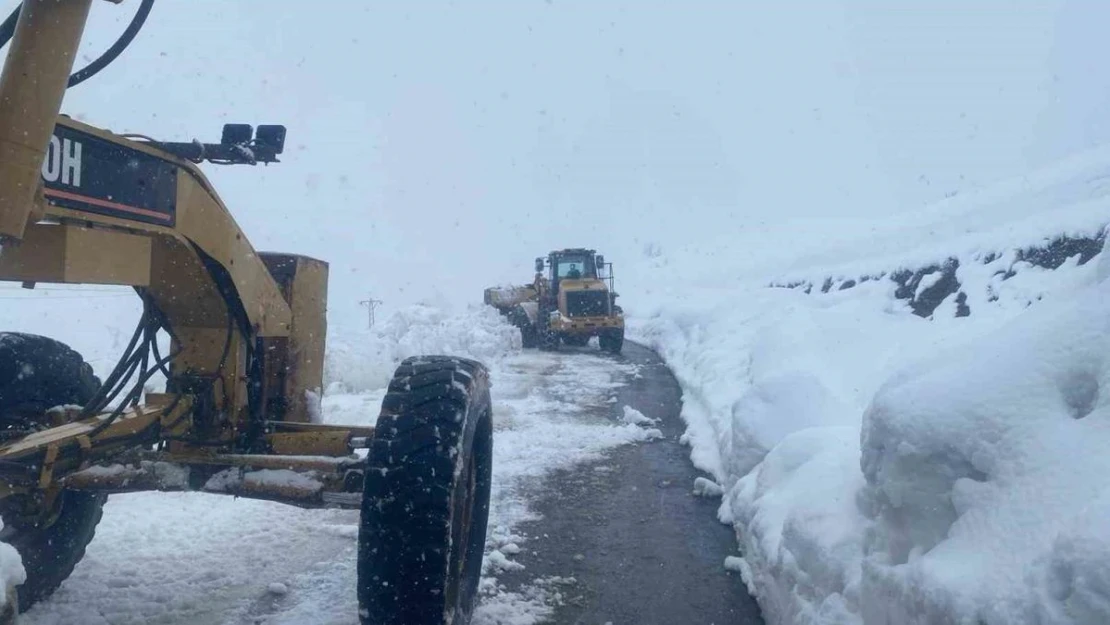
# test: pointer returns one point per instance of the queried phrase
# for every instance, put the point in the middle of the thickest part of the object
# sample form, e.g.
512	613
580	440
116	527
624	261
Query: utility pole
370	305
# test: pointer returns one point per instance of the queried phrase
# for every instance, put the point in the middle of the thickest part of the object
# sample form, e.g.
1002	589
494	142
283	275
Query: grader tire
426	496
36	374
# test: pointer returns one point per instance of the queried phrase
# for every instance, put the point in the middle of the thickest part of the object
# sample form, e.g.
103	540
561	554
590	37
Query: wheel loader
571	303
246	334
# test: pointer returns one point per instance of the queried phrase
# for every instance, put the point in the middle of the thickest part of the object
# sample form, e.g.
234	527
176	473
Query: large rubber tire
549	341
36	374
528	336
611	341
426	496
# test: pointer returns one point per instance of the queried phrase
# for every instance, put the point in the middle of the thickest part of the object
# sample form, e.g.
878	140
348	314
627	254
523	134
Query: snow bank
365	360
971	491
800	529
984	467
781	362
774	386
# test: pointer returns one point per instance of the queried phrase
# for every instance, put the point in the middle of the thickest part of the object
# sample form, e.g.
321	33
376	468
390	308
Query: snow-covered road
206	559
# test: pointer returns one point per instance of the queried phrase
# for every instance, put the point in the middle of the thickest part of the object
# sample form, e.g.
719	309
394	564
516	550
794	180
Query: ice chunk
734	564
707	488
635	417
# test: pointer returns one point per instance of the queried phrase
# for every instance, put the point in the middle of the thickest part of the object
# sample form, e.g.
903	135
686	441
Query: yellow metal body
34	81
220	299
582	326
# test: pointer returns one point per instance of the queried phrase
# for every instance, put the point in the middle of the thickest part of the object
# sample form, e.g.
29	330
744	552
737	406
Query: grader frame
178	245
82	205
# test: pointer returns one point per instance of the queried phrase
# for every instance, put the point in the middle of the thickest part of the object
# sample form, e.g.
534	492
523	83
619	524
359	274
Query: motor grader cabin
245	333
573	302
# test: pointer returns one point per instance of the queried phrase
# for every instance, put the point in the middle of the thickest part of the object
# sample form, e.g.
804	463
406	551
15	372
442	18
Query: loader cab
572	266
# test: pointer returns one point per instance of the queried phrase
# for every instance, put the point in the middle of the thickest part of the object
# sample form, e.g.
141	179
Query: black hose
100	398
158	356
136	357
132	360
125	39
134	393
7	29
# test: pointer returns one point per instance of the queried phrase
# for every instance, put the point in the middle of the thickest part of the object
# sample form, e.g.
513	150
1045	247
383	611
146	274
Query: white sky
436	147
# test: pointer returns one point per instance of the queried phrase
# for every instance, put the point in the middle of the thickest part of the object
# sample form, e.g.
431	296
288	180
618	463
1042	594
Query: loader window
575	269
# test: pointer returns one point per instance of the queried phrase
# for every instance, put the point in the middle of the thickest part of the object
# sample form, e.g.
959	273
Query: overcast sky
436	147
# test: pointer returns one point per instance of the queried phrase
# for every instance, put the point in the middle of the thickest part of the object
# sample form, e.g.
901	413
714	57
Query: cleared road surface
641	549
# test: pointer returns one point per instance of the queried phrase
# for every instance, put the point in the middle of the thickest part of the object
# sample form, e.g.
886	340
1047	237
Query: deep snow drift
985	466
886	467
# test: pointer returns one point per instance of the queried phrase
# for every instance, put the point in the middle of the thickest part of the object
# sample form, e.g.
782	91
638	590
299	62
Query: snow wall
916	436
922	447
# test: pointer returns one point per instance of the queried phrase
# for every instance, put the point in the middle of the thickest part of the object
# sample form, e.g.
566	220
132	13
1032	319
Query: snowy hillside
908	425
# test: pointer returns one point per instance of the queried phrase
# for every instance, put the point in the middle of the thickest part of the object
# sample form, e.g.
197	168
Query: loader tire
426	496
549	342
36	374
611	341
528	336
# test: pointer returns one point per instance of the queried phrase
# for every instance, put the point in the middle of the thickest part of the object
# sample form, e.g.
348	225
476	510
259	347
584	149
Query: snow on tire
426	495
36	374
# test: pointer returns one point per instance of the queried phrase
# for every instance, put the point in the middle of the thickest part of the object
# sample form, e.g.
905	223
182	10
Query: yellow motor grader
243	370
572	303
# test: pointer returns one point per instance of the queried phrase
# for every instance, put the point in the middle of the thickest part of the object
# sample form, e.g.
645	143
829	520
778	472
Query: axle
303	481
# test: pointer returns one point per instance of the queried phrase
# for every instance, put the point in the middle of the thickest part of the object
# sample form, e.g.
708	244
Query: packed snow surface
886	468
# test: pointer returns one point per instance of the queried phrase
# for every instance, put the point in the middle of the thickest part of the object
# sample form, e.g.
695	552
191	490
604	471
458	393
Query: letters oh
63	161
